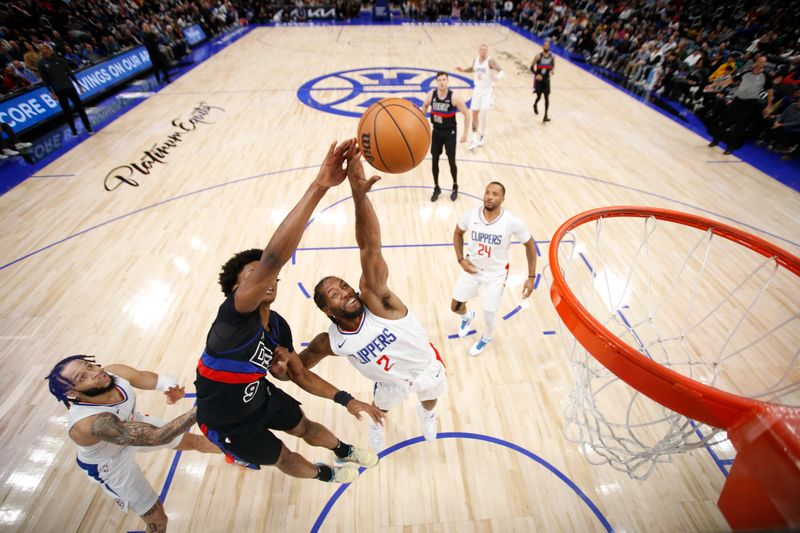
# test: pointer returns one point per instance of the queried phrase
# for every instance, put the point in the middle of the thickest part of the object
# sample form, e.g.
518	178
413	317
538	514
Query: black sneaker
454	194
713	143
535	108
436	192
546	119
728	151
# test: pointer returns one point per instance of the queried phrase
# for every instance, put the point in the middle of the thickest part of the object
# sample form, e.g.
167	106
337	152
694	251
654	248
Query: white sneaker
463	327
428	420
360	457
473	144
3	157
8	151
481	140
22	146
343	474
376	437
479	346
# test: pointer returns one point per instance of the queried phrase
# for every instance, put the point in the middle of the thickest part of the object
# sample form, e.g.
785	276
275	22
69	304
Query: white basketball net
699	304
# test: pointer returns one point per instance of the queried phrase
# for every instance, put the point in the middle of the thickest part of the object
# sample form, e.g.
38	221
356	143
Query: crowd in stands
85	32
693	52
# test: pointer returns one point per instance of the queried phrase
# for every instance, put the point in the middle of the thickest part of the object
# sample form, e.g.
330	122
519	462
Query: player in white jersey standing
486	71
103	422
489	229
374	330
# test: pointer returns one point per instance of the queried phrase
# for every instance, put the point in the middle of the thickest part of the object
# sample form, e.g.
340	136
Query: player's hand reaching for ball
174	394
332	172
355	173
356	407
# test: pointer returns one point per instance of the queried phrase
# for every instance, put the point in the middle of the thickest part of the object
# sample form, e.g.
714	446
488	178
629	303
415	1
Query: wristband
460	259
342	398
534	276
164	383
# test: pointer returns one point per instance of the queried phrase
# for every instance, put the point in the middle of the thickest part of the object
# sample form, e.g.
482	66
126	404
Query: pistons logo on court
351	92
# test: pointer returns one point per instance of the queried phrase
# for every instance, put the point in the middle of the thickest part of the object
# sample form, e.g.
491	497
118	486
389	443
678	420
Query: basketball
394	135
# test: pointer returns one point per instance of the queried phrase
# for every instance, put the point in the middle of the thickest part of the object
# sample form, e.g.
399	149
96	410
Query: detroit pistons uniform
482	95
113	466
543	67
236	405
396	354
443	118
487	249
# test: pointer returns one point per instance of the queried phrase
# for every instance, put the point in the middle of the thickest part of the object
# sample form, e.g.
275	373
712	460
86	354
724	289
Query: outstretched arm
146	380
311	382
374	270
318	349
284	241
107	427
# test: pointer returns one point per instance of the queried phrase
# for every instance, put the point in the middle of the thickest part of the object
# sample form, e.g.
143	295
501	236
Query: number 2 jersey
488	242
385	350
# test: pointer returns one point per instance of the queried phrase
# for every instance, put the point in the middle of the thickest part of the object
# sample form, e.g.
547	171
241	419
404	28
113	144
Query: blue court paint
276	172
303	344
472	436
148	207
455	336
726	461
549	332
710	450
512	312
167	482
538	277
303	289
365	86
586	262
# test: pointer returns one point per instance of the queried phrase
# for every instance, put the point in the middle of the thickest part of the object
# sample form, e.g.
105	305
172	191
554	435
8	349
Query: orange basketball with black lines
394	135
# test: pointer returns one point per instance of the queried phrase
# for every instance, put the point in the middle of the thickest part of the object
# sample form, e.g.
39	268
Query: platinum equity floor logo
351	92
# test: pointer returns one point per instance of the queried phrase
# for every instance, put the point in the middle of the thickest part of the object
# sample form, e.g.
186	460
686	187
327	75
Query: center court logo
351	92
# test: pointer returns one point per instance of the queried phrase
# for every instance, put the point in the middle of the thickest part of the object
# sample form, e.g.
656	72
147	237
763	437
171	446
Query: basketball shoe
463	327
428	420
359	456
479	346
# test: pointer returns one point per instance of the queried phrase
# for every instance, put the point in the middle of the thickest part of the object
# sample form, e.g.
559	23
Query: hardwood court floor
129	275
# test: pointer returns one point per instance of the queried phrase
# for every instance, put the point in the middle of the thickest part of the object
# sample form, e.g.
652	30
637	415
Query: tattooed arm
107	427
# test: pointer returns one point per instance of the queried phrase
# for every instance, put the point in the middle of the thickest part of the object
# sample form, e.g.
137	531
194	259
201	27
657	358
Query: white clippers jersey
483	75
124	410
488	243
385	350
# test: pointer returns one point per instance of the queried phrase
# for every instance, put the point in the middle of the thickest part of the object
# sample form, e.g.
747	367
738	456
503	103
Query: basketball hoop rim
680	393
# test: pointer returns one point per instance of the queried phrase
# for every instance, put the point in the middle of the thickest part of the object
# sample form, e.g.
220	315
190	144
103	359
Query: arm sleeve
463	222
519	230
